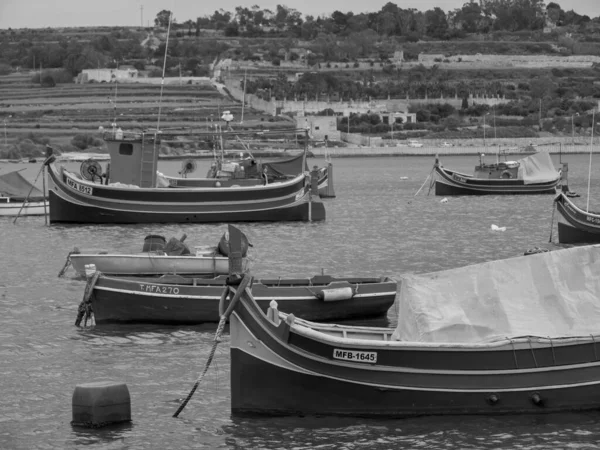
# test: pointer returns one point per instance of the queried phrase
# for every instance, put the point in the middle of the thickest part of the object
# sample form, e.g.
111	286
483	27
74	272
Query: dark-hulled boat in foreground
514	336
174	299
534	174
575	225
128	192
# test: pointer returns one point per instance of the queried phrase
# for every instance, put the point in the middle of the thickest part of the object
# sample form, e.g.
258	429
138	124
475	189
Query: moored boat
158	257
576	225
534	174
19	197
510	336
187	300
250	171
128	192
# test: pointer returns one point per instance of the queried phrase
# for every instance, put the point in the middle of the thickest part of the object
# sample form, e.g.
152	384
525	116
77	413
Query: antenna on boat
590	165
114	104
162	81
244	96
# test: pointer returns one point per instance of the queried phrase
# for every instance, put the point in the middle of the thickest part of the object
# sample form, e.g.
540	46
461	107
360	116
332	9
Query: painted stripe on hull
285	392
115	305
63	210
288	388
182	196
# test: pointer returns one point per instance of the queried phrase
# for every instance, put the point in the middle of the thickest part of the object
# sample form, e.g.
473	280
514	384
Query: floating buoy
497	228
444	200
404	178
101	403
334	295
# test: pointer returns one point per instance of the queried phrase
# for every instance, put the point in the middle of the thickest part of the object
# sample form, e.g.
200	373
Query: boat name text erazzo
159	289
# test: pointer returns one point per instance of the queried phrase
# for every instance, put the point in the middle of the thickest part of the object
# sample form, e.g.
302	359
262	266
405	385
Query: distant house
106	75
398	57
319	127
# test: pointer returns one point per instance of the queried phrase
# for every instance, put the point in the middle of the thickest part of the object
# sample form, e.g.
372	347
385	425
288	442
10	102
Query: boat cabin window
126	149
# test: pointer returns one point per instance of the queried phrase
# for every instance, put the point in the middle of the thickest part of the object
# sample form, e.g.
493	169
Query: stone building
106	75
320	127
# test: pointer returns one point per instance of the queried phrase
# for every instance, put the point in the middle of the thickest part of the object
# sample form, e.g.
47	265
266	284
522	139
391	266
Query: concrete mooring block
101	403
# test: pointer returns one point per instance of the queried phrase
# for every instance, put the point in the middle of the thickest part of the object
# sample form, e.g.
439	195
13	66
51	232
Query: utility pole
244	96
141	16
494	109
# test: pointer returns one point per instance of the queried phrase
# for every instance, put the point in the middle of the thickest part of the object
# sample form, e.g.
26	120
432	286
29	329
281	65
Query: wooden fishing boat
159	257
18	195
575	225
508	336
249	171
175	299
534	174
128	192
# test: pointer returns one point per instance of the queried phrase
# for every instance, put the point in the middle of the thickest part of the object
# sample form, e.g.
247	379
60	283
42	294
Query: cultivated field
58	114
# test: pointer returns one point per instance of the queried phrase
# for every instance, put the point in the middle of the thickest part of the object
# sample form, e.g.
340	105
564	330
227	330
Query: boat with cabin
534	174
129	189
247	170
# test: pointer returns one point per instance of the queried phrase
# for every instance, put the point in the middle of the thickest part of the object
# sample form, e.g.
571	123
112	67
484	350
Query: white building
106	75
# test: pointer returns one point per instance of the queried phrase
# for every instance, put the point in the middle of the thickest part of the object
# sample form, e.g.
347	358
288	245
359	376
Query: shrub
48	81
83	141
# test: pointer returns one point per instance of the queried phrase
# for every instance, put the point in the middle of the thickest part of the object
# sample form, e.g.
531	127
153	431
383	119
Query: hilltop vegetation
288	55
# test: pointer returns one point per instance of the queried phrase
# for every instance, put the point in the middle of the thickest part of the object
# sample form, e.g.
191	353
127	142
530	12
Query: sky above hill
74	13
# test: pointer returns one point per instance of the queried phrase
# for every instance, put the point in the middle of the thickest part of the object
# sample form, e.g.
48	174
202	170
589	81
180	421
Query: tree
436	23
162	18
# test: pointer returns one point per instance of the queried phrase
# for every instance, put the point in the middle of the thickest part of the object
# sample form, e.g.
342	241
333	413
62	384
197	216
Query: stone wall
506	61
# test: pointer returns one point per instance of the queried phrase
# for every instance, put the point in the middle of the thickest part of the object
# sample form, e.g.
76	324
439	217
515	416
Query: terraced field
61	112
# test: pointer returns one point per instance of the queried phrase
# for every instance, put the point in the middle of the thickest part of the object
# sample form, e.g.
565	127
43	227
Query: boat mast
590	165
162	81
244	96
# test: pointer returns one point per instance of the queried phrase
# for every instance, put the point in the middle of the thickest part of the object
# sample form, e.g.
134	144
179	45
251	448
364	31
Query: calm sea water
376	226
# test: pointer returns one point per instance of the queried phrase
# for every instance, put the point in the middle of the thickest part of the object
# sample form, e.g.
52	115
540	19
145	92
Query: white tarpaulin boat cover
552	294
537	168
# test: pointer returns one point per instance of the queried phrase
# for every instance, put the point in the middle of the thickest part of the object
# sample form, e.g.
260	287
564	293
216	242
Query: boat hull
146	300
578	226
30	209
151	264
281	391
449	183
75	201
311	369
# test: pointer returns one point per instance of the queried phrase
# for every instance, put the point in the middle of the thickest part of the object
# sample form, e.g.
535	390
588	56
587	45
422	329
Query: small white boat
19	197
157	258
150	263
11	207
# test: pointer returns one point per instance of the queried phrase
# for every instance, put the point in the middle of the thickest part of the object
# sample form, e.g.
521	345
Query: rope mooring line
67	263
211	355
85	307
225	313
